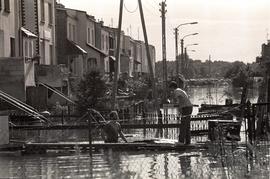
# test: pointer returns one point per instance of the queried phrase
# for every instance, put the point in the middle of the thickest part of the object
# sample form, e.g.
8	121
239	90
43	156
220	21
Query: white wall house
7	28
47	32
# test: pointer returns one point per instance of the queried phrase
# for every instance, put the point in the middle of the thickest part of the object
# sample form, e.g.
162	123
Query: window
107	42
74	34
2	45
6	6
50	13
30	54
111	43
88	36
26	48
69	31
102	42
12	47
42	13
107	66
91	63
93	37
51	55
42	48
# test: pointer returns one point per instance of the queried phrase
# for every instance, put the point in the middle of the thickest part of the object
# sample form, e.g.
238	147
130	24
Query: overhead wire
130	10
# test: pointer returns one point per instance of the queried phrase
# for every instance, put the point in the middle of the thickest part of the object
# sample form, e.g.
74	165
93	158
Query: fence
140	160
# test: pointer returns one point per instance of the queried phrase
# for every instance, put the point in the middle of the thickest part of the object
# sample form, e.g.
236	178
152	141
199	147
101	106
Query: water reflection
218	94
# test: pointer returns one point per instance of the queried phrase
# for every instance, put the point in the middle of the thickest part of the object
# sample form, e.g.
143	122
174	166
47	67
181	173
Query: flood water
131	164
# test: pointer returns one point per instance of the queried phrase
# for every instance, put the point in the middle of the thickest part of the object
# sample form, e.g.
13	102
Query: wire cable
130	10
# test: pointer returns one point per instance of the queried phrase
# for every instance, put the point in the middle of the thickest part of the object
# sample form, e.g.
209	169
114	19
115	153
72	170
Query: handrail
22	106
57	92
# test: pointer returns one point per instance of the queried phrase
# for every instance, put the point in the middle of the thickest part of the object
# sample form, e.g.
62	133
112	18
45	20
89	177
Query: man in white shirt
180	98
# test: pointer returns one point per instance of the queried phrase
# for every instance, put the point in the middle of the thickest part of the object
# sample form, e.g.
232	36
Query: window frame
12	47
7	6
50	13
42	11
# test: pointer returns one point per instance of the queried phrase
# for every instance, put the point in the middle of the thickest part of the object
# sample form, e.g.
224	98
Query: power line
130	10
149	8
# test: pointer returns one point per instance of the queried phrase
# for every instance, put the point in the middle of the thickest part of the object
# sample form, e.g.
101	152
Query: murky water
135	164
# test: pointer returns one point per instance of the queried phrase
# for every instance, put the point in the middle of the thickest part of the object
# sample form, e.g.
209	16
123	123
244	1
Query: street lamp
185	56
189	50
182	49
176	44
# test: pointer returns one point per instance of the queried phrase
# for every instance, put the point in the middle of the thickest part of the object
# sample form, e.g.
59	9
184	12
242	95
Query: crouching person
110	130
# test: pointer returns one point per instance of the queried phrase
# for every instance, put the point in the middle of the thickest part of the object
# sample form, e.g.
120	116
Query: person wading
110	130
180	97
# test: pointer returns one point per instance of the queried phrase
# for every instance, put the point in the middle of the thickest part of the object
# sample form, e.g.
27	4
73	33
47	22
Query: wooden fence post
90	133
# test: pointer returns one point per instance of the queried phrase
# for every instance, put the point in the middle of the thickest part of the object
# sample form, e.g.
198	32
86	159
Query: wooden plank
116	146
67	127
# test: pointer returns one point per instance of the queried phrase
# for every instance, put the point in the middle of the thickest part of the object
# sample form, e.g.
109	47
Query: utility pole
116	65
182	55
209	66
164	60
176	51
148	54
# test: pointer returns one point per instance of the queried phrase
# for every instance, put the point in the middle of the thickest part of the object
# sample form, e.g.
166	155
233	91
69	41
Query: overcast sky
228	30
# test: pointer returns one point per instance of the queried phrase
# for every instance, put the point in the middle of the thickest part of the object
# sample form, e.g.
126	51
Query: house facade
16	49
77	38
46	15
264	61
104	40
8	28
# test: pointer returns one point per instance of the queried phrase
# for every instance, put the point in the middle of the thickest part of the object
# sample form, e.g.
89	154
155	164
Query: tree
91	92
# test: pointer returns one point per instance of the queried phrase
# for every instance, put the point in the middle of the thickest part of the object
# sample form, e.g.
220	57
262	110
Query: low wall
12	80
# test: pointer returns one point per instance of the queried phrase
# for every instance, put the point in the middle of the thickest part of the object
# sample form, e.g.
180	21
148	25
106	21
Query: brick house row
57	46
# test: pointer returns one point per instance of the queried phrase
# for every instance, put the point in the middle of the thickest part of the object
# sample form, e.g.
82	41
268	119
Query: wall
12	79
4	130
7	28
29	20
61	36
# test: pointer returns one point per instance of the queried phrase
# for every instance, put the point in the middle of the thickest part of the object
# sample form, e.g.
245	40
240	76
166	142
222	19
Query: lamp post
189	50
185	56
182	49
176	44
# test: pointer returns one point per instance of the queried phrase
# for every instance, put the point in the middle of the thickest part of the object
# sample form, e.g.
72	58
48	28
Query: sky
228	30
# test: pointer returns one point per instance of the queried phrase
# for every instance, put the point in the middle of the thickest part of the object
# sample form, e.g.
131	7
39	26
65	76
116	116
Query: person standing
180	97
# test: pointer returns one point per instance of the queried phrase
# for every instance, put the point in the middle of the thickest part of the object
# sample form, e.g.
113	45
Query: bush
91	92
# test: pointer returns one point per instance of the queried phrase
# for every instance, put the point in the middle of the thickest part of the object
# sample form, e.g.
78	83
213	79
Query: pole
176	51
148	53
182	55
185	59
116	65
90	134
163	12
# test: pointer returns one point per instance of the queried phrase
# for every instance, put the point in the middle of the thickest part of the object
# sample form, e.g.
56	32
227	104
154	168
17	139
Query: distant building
144	62
76	42
264	61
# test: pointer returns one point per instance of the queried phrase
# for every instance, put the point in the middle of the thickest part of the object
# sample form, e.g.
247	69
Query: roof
113	58
96	49
74	48
137	62
28	33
